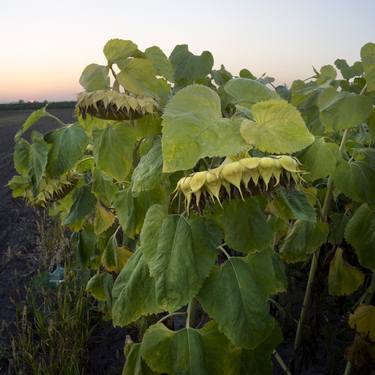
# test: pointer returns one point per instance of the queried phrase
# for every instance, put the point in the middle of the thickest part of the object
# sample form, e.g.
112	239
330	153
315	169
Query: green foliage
360	234
194	127
180	201
277	128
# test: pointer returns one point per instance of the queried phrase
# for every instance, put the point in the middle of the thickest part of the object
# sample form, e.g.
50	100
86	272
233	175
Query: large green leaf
189	351
245	225
148	172
343	110
247	92
302	240
117	50
103	187
134	292
139	77
292	204
189	67
343	278
94	77
21	156
193	127
268	270
134	365
245	319
360	233
259	360
356	178
368	59
113	150
320	159
278	127
180	255
38	159
68	144
160	62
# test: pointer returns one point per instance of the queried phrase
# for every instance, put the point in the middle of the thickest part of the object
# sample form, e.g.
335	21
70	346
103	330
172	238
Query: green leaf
363	321
180	256
100	286
268	270
347	71
83	205
95	77
343	110
337	227
302	240
117	50
113	150
103	187
67	146
356	178
360	233
319	160
343	278
134	292
160	62
134	365
193	127
21	157
189	351
148	172
86	245
247	92
111	255
327	73
292	204
132	210
104	218
38	159
245	73
245	319
30	121
278	127
189	67
245	225
368	60
259	360
138	76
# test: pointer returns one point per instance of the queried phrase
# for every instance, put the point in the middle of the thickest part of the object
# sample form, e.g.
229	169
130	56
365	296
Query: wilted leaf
343	279
363	321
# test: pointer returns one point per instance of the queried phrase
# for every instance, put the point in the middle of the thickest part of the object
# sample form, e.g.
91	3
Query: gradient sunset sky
46	44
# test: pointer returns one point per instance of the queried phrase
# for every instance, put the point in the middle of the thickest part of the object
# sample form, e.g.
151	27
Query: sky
44	45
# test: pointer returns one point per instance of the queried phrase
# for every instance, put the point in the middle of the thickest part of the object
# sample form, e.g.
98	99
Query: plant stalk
315	257
281	362
191	313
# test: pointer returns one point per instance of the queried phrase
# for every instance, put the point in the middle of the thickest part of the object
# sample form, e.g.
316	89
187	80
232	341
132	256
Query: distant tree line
36	105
